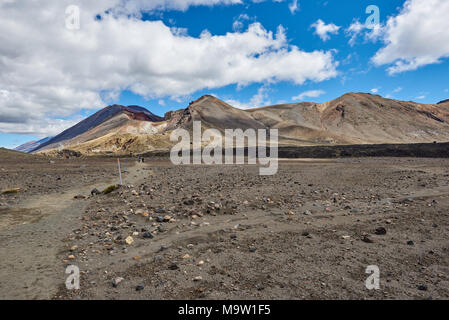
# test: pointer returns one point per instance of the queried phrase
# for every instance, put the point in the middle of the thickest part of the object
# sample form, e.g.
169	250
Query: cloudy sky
161	54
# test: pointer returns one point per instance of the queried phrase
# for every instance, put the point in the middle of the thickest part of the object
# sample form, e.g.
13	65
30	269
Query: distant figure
139	159
143	159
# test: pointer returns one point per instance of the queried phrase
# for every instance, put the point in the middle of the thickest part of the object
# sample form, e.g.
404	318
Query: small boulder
95	192
116	281
148	235
381	231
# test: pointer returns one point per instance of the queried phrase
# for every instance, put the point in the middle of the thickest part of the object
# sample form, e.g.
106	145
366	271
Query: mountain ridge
136	112
353	118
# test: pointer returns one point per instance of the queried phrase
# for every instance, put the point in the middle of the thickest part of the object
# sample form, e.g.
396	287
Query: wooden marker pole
119	172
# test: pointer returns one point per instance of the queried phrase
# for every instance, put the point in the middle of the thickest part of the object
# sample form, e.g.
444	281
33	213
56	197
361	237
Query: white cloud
356	29
308	94
324	30
260	99
293	6
48	71
416	37
240	21
398	89
136	6
420	97
374	90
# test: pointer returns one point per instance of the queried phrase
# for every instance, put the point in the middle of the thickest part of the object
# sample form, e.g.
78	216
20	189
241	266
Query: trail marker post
119	172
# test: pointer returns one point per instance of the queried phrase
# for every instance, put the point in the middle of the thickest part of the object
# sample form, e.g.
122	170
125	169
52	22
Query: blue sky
355	69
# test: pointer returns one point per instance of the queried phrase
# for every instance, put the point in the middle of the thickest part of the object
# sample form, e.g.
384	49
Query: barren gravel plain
224	232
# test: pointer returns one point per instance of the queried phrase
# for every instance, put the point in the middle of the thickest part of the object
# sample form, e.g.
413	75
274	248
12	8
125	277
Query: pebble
148	235
129	240
95	191
381	231
173	266
116	281
199	278
368	239
140	287
422	287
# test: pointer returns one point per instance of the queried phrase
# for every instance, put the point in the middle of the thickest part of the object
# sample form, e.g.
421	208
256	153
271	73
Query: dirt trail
30	239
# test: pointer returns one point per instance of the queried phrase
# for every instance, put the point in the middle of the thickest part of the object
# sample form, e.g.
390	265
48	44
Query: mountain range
354	118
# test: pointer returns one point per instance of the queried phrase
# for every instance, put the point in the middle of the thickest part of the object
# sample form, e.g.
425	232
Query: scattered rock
116	281
95	191
308	213
140	287
148	235
173	266
159	210
368	239
198	278
79	197
381	231
410	243
129	240
422	287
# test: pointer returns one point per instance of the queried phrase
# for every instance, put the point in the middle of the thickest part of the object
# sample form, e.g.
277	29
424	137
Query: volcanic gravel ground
222	232
308	232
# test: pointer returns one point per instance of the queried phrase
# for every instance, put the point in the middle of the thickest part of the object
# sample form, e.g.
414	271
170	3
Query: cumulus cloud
48	71
137	6
293	6
324	30
416	37
372	33
240	21
260	99
308	94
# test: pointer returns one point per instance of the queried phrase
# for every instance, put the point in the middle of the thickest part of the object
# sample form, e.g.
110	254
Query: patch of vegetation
11	191
110	189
